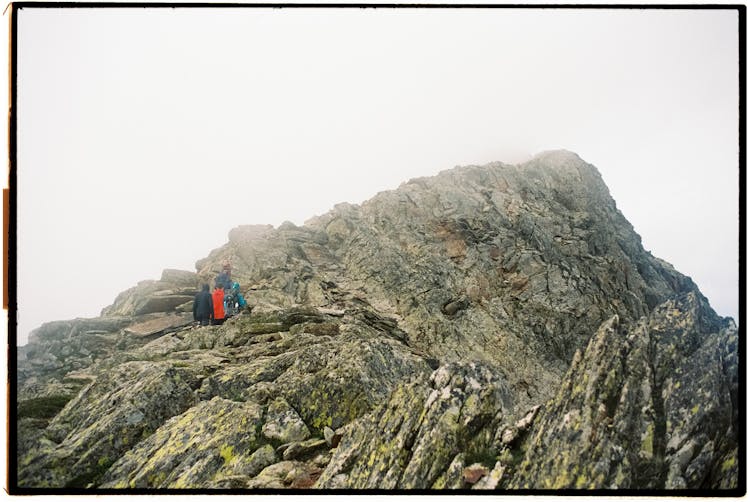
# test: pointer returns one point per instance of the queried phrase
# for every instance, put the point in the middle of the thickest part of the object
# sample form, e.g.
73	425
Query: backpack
230	305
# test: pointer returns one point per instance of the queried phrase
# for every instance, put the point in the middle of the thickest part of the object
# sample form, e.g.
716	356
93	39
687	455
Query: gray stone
304	449
328	435
259	460
159	325
283	423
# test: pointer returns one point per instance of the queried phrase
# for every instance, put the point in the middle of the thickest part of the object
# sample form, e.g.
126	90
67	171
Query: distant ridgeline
493	327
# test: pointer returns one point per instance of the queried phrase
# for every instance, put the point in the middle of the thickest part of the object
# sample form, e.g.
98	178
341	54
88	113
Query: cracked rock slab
413	439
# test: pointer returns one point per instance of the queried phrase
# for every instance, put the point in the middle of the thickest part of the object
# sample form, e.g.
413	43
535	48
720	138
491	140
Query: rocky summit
494	327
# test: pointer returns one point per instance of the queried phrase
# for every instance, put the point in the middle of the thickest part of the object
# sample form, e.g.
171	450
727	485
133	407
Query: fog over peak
145	135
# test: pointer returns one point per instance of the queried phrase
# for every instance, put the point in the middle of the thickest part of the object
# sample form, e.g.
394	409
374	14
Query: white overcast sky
145	135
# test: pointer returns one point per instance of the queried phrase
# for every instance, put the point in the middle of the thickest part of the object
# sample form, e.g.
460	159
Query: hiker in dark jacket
224	280
203	306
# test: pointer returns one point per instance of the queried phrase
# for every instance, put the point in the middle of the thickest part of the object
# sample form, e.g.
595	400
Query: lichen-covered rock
286	474
648	405
59	347
301	450
283	424
105	420
412	439
173	289
335	383
158	325
208	442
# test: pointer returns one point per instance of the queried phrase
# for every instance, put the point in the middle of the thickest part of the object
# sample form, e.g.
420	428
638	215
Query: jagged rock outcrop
173	292
650	405
413	440
493	327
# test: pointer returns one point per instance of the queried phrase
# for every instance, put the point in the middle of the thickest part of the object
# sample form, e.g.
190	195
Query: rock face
490	328
413	439
649	405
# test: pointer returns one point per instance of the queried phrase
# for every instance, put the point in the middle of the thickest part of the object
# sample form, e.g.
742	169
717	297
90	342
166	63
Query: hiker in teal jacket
238	295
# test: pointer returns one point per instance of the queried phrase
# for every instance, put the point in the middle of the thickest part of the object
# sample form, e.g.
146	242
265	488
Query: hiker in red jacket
218	299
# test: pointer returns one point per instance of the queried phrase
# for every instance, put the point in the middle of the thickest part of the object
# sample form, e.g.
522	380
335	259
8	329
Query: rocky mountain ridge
491	327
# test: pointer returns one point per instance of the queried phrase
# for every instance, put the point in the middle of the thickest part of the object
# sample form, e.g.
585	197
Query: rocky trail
493	327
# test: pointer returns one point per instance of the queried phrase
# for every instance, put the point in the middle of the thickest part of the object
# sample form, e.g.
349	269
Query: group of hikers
225	301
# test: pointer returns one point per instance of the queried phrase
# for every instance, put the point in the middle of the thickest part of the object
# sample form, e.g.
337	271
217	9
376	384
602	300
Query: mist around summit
140	153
